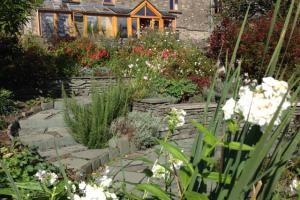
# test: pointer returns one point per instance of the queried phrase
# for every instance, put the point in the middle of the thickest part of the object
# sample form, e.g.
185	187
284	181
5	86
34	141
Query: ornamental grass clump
244	150
90	124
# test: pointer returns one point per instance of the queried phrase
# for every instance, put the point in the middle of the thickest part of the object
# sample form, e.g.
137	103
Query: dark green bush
23	163
6	103
181	89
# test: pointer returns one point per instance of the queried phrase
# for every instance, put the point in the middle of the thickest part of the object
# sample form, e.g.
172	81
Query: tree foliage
14	14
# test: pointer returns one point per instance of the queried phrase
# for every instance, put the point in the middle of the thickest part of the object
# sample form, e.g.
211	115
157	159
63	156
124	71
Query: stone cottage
123	18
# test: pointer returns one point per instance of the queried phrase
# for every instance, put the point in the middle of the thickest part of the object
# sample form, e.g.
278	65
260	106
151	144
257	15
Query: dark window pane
122	27
63	25
134	28
141	12
149	12
171	4
47	24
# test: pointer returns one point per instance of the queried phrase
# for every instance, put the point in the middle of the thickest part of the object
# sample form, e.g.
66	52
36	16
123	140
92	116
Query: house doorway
145	24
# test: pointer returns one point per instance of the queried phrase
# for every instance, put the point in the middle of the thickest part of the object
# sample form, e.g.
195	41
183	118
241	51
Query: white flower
145	78
228	108
259	105
52	178
82	185
294	186
177	163
159	171
130	66
48	178
177	117
105	182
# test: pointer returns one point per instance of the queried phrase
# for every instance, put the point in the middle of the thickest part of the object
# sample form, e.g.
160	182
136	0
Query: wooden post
161	25
114	26
99	24
55	18
129	26
152	24
37	23
174	25
138	27
72	33
40	24
85	26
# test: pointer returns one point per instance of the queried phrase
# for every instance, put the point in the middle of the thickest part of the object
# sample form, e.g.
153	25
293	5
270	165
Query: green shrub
181	89
142	127
6	103
89	124
23	163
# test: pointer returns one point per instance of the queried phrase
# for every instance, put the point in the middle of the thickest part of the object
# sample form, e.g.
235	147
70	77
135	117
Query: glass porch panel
149	13
106	26
122	27
79	25
47	24
63	26
134	28
141	12
92	25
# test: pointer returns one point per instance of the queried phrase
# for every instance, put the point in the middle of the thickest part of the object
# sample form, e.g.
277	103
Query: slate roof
50	5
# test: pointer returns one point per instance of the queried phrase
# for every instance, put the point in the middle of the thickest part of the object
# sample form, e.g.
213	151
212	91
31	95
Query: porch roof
92	8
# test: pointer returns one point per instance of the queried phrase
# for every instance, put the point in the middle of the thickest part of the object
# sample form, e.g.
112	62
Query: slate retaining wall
195	111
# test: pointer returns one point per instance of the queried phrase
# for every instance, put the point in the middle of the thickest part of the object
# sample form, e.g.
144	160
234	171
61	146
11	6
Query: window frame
173	4
112	2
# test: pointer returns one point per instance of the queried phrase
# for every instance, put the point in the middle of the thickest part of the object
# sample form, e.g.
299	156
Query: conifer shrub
90	124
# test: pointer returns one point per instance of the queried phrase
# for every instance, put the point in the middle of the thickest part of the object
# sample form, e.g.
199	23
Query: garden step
44	138
63	152
44	119
85	162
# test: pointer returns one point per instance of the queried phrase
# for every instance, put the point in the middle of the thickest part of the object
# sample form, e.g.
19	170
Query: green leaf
217	177
30	186
144	159
233	127
184	178
195	196
209	138
154	190
237	146
175	152
7	191
148	172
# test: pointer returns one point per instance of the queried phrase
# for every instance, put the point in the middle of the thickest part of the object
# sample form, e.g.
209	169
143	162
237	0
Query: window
145	11
93	28
47	24
106	26
63	25
79	23
174	4
109	2
122	27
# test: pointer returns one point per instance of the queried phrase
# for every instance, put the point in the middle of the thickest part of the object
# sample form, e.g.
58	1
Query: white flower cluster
177	117
47	178
99	190
159	172
259	105
294	186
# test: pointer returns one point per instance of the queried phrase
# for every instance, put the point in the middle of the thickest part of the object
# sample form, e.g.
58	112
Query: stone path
42	129
130	170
